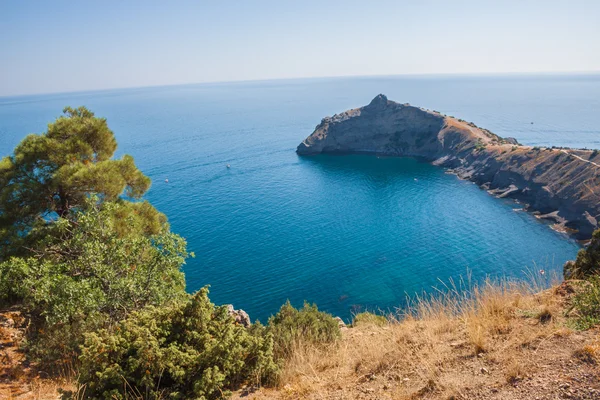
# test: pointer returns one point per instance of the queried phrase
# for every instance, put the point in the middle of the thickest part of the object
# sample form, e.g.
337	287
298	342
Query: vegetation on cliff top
498	340
97	273
587	262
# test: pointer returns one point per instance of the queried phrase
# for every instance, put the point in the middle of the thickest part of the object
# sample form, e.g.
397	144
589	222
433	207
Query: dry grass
464	341
515	371
461	336
589	353
35	389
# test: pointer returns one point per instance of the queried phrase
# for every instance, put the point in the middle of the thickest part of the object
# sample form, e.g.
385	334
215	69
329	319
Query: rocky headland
559	184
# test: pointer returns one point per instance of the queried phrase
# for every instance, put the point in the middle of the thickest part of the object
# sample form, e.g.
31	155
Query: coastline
555	182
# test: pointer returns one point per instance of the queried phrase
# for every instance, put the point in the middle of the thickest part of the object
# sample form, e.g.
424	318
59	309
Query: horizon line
431	74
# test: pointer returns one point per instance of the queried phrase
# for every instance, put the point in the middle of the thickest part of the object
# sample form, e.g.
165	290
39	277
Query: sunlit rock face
563	182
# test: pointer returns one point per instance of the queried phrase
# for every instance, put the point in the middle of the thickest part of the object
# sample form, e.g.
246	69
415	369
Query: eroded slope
561	184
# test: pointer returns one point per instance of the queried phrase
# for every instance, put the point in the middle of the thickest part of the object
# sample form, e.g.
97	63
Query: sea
348	233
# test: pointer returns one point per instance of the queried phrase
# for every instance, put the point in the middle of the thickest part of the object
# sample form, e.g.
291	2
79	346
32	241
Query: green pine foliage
188	349
12	276
51	175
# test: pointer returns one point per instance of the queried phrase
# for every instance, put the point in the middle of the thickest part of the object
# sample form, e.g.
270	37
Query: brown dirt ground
525	356
18	378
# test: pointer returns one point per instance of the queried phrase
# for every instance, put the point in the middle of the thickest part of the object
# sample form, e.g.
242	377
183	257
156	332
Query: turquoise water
346	232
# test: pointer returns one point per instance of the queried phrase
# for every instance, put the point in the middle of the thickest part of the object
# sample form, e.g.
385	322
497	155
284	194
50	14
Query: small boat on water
228	166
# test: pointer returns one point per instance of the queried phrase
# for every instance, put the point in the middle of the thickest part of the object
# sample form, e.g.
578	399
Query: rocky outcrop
340	322
549	180
240	316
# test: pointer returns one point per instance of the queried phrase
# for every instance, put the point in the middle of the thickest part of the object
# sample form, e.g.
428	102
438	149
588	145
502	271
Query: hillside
503	344
559	184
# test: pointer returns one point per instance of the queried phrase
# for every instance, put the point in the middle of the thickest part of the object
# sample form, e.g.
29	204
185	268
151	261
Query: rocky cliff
559	184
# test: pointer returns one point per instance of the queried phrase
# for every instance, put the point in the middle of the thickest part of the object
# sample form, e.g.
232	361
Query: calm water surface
349	232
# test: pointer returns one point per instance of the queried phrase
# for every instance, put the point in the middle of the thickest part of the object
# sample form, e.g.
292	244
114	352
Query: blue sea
348	233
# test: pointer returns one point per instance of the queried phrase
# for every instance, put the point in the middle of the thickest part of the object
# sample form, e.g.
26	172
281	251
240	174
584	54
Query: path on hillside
576	156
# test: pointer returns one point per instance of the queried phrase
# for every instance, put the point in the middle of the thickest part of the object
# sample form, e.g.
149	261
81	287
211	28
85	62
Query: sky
64	46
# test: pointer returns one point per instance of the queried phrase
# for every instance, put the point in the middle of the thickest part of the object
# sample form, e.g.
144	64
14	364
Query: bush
367	318
587	262
86	276
190	349
291	327
587	303
480	145
12	275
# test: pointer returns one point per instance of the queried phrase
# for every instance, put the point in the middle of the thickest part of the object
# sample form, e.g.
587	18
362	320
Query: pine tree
51	175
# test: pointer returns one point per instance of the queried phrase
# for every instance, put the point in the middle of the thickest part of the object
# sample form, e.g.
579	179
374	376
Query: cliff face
560	184
386	127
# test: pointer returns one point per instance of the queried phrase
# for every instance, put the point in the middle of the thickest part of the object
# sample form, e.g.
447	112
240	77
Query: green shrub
367	318
85	276
587	262
190	349
12	275
587	303
480	145
291	327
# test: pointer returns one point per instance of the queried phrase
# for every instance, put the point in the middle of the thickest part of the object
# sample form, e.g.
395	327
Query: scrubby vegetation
367	318
586	269
480	145
587	262
186	349
98	275
96	272
497	340
587	303
293	328
85	276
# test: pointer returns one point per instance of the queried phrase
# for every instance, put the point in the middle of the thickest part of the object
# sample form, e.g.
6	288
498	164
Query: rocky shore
559	184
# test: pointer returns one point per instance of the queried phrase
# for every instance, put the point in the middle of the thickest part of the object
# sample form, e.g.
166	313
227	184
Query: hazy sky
60	46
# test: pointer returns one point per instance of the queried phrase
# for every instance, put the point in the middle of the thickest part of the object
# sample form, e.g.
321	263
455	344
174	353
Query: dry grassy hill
498	341
503	343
